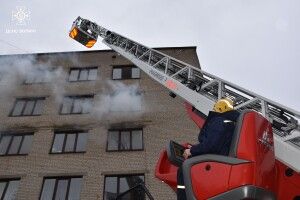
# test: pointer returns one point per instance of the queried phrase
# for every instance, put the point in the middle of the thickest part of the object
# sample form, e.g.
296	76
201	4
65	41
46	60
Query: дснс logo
20	15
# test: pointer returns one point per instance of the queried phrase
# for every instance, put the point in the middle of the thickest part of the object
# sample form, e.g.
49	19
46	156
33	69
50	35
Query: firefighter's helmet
223	105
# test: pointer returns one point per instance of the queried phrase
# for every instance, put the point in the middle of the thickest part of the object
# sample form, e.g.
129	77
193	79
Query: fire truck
264	157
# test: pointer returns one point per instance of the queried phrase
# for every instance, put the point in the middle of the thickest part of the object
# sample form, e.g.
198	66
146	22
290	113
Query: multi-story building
85	125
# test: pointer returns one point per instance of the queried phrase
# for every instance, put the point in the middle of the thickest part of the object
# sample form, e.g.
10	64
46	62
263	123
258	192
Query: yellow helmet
223	105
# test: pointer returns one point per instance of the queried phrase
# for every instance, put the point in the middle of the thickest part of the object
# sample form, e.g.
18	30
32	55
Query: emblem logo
266	139
20	15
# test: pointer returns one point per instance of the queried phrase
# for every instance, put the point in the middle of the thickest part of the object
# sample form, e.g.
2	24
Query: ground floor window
117	184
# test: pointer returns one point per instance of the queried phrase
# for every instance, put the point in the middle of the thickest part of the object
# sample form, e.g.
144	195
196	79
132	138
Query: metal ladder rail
178	77
208	84
183	72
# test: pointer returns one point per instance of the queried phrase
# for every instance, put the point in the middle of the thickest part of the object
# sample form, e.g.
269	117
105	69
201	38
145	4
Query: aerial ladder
272	125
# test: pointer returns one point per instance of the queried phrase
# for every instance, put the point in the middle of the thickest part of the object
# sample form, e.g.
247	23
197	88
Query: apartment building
85	125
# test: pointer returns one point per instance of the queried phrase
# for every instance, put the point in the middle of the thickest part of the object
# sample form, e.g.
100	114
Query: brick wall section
162	119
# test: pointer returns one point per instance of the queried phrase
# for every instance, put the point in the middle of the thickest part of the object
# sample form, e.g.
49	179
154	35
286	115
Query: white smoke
16	71
117	99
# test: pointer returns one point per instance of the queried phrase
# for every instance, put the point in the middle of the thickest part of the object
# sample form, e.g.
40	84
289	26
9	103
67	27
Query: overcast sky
252	43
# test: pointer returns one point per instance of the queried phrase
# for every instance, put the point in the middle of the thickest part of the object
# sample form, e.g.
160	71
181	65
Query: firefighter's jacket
216	134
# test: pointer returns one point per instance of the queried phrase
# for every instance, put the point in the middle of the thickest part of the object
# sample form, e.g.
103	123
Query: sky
254	44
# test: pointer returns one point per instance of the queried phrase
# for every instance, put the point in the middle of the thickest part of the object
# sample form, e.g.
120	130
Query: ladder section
175	74
202	90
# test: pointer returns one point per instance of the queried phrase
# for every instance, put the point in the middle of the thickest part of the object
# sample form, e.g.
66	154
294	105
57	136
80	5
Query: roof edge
94	51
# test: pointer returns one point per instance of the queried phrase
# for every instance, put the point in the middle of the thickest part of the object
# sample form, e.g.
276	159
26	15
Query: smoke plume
117	99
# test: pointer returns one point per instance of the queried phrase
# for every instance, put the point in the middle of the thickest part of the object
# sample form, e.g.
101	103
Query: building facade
85	125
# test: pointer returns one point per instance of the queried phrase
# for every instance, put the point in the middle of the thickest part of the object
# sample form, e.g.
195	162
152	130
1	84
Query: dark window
28	106
77	104
37	76
9	188
61	188
69	142
125	140
15	144
115	185
83	74
125	72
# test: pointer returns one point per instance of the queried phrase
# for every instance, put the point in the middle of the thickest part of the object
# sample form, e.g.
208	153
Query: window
125	140
125	100
77	104
115	185
61	188
37	76
28	106
70	142
125	72
15	144
9	188
83	74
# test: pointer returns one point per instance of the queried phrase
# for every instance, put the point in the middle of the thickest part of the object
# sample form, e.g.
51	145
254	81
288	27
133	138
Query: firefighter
214	137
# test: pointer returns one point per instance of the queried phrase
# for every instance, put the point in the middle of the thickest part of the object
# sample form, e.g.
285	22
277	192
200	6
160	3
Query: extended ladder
202	90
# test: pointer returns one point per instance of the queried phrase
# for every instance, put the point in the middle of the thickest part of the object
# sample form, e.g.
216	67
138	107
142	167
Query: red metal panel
166	172
209	179
288	182
256	145
241	174
199	121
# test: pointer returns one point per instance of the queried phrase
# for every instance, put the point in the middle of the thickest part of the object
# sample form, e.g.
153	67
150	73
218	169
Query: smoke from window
117	98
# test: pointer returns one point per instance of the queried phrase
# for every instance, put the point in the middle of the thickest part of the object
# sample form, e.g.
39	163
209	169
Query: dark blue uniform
216	134
214	138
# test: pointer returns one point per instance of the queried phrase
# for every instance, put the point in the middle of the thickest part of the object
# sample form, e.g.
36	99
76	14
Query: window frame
26	99
118	176
11	140
65	133
56	183
135	109
122	67
7	180
73	97
43	71
119	140
81	69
